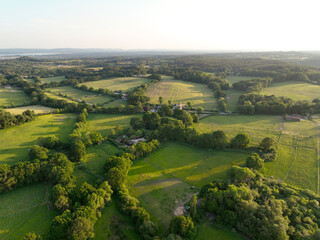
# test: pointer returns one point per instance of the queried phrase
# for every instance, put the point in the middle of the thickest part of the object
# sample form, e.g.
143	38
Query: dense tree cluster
262	208
253	85
9	120
262	104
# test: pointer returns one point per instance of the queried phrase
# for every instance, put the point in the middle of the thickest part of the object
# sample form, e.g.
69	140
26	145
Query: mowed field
35	108
163	180
232	98
297	161
125	84
24	210
13	97
182	92
53	79
104	123
16	141
293	90
78	94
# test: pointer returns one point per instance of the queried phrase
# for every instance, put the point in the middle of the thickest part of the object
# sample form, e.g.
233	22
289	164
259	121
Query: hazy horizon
228	26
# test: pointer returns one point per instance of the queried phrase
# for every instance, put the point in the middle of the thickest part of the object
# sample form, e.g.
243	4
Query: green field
25	210
13	97
79	95
212	231
53	79
293	90
232	99
257	126
162	181
35	108
297	161
105	122
182	92
234	79
125	84
16	141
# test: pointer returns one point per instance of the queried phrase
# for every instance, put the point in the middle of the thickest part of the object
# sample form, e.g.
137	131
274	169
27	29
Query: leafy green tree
148	230
266	143
160	100
240	141
182	226
136	123
200	110
193	206
81	229
78	151
254	161
38	152
32	236
96	137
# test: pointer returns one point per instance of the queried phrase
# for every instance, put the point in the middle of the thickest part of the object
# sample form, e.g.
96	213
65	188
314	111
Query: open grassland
79	95
213	231
234	79
13	97
125	84
53	79
162	181
116	103
24	210
35	108
16	141
104	123
182	92
257	126
297	160
232	98
293	90
109	216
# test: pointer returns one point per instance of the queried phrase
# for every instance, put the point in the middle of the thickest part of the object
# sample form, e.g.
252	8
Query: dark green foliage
151	120
78	151
142	148
38	152
262	208
81	228
9	120
32	236
182	226
193	206
266	143
254	161
136	123
240	141
49	142
155	77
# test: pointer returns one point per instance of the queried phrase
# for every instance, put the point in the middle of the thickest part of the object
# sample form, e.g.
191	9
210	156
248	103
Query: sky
216	25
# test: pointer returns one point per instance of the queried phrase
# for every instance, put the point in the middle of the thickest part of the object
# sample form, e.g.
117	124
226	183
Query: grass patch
232	97
182	92
120	83
293	90
79	95
104	123
35	108
214	231
13	97
16	141
25	210
162	181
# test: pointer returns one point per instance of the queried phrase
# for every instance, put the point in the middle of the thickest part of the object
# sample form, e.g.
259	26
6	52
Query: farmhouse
294	118
136	140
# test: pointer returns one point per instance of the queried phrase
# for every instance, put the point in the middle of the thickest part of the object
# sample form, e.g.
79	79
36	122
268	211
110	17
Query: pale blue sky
161	24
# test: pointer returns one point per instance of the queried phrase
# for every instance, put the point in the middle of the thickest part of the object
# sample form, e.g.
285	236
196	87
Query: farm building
294	118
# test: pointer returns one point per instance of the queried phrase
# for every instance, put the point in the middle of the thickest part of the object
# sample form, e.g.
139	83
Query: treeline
117	168
262	208
253	85
9	120
262	104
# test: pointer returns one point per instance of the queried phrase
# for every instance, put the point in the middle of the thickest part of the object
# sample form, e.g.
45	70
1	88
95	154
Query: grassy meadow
125	84
182	92
78	94
232	98
13	97
24	210
104	123
16	141
162	181
35	108
293	90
